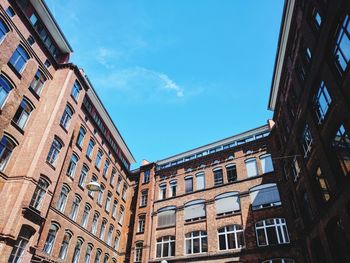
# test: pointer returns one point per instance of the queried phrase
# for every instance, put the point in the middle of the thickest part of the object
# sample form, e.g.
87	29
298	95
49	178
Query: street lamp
93	186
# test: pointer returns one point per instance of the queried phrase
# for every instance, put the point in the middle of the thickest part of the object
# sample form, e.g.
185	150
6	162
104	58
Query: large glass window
200	181
231	173
227	203
50	240
62	200
66	117
74	209
266	163
65	245
341	147
76	90
306	140
3	29
22	114
166	216
138	252
38	82
194	210
231	237
322	101
264	195
72	165
77	249
81	136
6	148
252	169
19	59
5	88
188	184
271	231
39	193
55	149
218	176
165	247
342	47
196	242
18	250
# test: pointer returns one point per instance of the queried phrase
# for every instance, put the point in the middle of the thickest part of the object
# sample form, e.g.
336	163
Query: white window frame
279	224
226	232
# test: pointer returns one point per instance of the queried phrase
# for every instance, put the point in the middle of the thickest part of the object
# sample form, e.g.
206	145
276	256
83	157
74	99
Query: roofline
58	36
288	11
236	137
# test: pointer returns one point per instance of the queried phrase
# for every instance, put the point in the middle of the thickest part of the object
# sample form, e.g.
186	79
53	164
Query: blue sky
175	74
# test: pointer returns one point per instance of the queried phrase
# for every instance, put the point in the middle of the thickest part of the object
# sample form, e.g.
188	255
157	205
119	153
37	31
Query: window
138	252
88	254
341	51
295	169
31	40
47	63
97	256
75	90
108	202
19	59
66	117
10	12
83	175
264	195
5	88
85	217
227	203
50	240
144	197
251	167
162	191
322	101
323	184
231	237
72	165
165	247
125	189
114	209
279	260
54	152
173	186
3	29
119	183
196	242
100	194
166	216
20	246
65	245
105	259
188	184
271	231
93	179
266	163
308	54
218	176
317	19
194	210
146	176
341	147
90	148
6	148
102	229
105	169
94	223
77	249
39	193
121	215
62	200
109	235
141	224
38	82
111	180
306	141
75	206
116	241
81	136
22	114
231	173
200	179
98	159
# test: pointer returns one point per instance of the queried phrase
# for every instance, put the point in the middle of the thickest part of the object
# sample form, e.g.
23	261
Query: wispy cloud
141	84
104	56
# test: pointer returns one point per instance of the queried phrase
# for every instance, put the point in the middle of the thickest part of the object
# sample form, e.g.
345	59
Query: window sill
195	221
17	127
18	74
64	128
74	99
78	146
81	187
267	207
51	165
140	233
88	157
228	215
141	206
144	183
36	95
164	227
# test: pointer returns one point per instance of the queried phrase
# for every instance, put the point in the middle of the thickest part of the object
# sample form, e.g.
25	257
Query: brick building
310	97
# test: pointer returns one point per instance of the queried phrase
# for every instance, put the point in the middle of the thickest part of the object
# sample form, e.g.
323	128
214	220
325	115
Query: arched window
81	136
23	112
50	240
116	241
196	242
39	193
62	200
271	231
103	228
173	188
227	203
200	181
88	254
83	175
6	147
19	59
38	82
166	216
138	252
85	215
75	206
121	215
105	169
100	194
231	237
77	249
218	176
109	235
72	165
111	179
20	246
194	210
94	223
264	195
105	259
98	159
90	148
3	29
231	172
188	184
141	223
98	255
266	163
114	208
5	88
108	202
144	198
252	169
165	247
119	183
67	116
55	149
125	189
76	90
65	245
162	191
